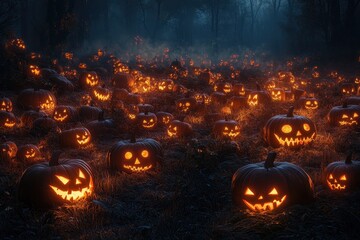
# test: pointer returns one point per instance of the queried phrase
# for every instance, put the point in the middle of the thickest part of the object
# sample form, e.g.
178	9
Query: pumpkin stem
101	115
54	161
269	162
258	88
348	158
345	104
290	112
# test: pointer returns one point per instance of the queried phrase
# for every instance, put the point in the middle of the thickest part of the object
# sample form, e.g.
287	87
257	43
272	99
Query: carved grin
267	206
171	133
30	155
137	169
336	186
59	118
83	141
100	96
231	134
149	125
311	107
9	124
348	123
72	195
91	82
294	141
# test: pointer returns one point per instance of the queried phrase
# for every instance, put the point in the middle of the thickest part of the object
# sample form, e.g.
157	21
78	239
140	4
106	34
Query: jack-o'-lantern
308	103
258	97
146	120
53	183
65	114
347	89
343	175
34	71
224	87
37	98
16	45
82	66
226	129
75	137
202	98
28	153
268	186
239	89
89	80
131	112
185	105
101	94
134	156
289	130
286	77
164	118
271	84
6	104
8	150
165	85
68	55
345	115
277	94
7	120
179	129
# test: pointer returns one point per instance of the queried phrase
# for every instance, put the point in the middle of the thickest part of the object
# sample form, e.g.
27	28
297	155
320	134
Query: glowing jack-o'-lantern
345	115
286	77
6	104
185	105
343	175
309	103
89	80
34	71
134	156
258	97
224	87
348	89
17	45
28	153
101	94
226	129
202	98
64	114
56	182
277	94
8	150
289	130
239	89
179	129
164	118
146	120
75	137
267	186
37	98
165	85
7	120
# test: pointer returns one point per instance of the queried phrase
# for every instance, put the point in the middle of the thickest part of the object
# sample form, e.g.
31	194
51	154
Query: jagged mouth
72	195
267	206
149	125
170	133
335	186
47	106
137	169
252	103
60	119
186	109
311	107
91	83
101	97
31	155
82	142
276	98
231	134
353	122
294	141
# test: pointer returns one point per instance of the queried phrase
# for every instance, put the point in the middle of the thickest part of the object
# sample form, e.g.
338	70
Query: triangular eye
81	174
226	128
356	115
331	176
345	116
78	181
249	192
343	178
64	180
273	192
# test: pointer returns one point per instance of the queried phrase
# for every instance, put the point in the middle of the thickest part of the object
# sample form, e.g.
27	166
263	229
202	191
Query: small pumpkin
28	153
146	120
277	94
239	89
134	156
347	89
123	80
308	103
237	103
6	104
165	85
226	129
75	137
289	130
185	105
343	175
202	98
65	114
224	87
258	97
32	99
345	115
164	118
7	120
53	183
269	185
179	129
8	150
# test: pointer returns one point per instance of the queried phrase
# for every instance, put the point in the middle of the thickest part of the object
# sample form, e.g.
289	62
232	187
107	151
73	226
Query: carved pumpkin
75	137
28	153
65	114
6	104
33	71
202	98
16	45
179	129
89	80
226	129
289	130
8	151
347	89
164	118
224	87
146	120
239	89
165	85
277	94
258	97
56	182
308	103
7	120
178	88
267	186
343	175
345	115
37	98
185	105
133	155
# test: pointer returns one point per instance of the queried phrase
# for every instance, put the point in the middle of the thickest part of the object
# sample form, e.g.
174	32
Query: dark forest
159	119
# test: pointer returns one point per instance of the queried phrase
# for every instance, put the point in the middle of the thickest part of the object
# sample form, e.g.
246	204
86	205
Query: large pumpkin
134	155
343	175
345	115
267	186
37	98
55	182
289	130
